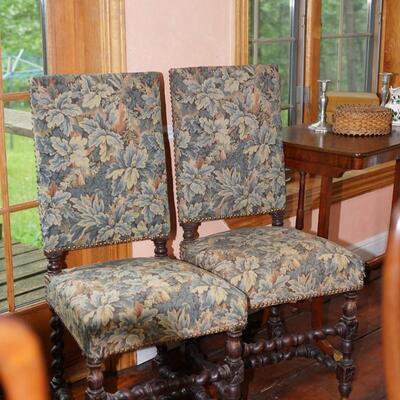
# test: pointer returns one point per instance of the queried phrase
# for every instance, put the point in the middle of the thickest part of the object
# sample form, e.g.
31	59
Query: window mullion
256	19
340	46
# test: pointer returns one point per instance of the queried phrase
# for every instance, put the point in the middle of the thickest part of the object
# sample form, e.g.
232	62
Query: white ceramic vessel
394	105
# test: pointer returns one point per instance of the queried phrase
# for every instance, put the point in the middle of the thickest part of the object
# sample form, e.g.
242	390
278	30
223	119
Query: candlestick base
320	127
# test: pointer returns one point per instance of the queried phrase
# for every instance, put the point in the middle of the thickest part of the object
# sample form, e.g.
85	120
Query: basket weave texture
361	120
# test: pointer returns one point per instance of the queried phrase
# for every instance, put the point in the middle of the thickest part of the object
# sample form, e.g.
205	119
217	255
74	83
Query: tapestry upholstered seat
229	162
102	179
275	265
124	305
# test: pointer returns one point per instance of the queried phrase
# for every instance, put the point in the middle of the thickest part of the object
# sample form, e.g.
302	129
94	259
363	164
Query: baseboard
371	247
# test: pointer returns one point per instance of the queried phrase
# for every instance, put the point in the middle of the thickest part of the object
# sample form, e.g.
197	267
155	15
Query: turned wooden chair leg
95	389
233	390
276	327
345	369
58	385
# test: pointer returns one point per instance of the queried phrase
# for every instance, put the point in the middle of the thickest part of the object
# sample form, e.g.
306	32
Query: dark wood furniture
330	156
391	309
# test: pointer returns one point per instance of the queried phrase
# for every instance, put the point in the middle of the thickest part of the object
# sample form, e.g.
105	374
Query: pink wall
356	219
162	34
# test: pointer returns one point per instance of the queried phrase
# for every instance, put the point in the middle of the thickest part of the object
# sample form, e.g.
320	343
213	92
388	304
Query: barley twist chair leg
57	383
95	379
233	389
345	369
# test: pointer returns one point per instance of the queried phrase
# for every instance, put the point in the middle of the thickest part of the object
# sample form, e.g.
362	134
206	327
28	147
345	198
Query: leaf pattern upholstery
123	305
229	158
102	179
100	159
229	162
275	265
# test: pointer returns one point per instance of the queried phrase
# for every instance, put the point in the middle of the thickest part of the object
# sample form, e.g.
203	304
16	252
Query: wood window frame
354	183
83	36
98	29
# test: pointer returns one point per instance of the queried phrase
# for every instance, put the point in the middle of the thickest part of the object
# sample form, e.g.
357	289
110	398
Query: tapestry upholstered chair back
100	159
102	177
229	163
228	147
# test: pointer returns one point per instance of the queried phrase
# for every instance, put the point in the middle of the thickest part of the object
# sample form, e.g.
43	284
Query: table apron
315	168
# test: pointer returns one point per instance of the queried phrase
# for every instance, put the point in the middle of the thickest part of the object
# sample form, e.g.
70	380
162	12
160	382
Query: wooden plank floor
303	379
29	268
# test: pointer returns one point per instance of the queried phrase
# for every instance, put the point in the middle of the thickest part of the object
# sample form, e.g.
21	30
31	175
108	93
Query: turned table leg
300	204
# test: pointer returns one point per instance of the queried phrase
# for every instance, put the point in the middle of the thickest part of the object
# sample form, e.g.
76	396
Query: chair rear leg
276	327
57	383
345	369
234	349
95	380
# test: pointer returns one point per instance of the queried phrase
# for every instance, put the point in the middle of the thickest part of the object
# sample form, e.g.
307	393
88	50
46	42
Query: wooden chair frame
227	377
280	346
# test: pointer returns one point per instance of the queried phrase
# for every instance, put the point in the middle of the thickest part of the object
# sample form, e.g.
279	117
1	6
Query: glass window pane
251	21
353	62
343	61
330	18
274	17
21	167
28	258
329	62
355	16
285	117
278	53
21	43
353	12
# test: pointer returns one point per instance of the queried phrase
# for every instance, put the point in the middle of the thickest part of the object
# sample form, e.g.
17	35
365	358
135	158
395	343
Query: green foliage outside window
20	33
22	57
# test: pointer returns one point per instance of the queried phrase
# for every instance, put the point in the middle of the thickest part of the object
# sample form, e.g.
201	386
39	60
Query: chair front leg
234	359
95	379
345	369
57	383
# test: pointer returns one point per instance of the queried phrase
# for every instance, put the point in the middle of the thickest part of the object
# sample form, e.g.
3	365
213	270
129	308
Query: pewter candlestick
384	95
321	125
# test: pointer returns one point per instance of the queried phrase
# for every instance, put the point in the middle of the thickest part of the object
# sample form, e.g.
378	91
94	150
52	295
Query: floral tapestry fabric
275	265
123	305
228	146
100	159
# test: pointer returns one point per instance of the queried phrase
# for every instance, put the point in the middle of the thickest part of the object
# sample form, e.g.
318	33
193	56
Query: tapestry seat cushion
275	265
122	305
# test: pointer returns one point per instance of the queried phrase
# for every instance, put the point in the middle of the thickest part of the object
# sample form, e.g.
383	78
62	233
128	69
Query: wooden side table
330	156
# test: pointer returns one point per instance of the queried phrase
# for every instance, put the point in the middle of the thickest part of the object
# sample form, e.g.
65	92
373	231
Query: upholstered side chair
102	179
229	163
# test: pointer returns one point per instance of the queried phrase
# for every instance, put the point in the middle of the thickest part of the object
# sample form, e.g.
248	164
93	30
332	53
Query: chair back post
391	309
277	217
190	231
56	262
160	248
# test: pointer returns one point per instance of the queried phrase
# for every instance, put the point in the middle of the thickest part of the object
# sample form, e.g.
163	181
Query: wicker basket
358	120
